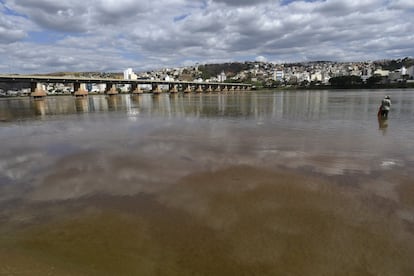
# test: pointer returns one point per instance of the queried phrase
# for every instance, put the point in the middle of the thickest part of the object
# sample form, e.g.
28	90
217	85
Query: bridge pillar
217	89
187	89
199	89
36	89
156	89
111	89
209	89
173	88
136	89
225	89
80	89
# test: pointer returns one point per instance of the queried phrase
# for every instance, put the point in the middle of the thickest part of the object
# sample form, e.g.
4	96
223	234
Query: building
366	73
382	73
399	75
129	74
221	77
168	78
317	76
278	75
410	72
304	76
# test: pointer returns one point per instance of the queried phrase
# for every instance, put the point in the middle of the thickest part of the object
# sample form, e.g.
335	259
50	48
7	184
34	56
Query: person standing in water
385	107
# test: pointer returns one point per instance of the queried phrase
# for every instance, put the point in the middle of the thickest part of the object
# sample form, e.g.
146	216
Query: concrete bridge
79	85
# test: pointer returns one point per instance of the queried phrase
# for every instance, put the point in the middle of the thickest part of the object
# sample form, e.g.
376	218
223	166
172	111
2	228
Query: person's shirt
386	104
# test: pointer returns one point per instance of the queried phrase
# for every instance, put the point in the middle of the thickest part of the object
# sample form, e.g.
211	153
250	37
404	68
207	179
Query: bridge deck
53	79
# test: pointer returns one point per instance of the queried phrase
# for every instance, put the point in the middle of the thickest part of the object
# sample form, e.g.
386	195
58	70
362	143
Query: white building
304	76
222	77
366	73
168	78
382	73
317	76
410	71
278	75
129	74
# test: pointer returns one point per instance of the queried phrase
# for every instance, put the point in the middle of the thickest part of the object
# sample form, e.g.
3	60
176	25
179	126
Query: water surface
259	183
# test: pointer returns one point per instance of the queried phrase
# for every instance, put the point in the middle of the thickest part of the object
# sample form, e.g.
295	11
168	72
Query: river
242	183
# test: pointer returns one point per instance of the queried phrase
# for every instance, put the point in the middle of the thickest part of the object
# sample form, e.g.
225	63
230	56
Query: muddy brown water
259	183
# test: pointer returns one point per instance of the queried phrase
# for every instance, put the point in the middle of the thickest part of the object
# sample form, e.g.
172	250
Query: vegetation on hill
346	81
356	82
212	70
85	74
395	64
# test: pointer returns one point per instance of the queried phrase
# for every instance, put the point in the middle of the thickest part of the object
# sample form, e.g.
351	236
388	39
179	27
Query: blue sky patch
181	17
131	56
8	11
287	2
44	37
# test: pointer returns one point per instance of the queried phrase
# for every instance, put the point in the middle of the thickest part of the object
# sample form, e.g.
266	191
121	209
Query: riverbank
351	87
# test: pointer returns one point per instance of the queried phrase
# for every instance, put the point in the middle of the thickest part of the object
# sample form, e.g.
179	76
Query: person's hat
387	97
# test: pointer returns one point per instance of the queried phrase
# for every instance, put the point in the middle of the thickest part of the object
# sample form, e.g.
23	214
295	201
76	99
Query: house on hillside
410	72
221	77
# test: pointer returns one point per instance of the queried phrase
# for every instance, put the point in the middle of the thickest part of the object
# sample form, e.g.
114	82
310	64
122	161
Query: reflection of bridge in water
79	85
309	106
228	104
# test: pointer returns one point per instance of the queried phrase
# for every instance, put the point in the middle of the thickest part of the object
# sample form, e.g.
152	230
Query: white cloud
8	36
402	4
261	59
94	35
10	31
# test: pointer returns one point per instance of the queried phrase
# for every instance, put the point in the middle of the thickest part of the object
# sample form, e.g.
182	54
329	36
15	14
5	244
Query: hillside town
291	74
385	73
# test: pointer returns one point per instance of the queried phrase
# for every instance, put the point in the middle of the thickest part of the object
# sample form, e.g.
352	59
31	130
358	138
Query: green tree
374	80
346	81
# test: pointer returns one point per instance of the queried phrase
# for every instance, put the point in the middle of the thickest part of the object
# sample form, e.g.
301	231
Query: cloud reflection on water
69	155
230	184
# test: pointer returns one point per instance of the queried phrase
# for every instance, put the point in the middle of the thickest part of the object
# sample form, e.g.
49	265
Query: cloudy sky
110	35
